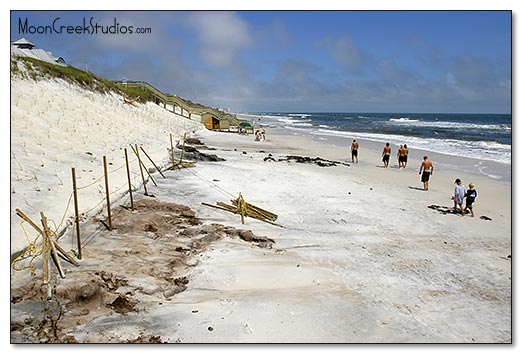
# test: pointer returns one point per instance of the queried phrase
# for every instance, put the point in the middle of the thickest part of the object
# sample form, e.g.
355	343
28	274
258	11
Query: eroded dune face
143	260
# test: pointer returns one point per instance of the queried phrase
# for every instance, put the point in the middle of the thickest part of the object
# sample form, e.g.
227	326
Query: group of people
260	135
402	155
462	194
426	170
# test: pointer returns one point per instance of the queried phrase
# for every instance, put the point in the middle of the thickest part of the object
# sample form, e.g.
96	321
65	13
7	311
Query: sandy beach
360	258
147	207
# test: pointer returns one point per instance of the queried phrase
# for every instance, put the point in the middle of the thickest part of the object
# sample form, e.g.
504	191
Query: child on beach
471	194
458	197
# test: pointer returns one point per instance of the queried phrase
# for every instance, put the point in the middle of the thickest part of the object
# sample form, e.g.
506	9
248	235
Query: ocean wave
287	120
302	115
485	150
259	116
447	125
403	120
303	124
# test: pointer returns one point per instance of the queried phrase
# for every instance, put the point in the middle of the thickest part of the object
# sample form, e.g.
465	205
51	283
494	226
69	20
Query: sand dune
56	126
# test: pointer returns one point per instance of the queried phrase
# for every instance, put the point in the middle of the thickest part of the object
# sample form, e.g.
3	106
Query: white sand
361	259
375	265
56	126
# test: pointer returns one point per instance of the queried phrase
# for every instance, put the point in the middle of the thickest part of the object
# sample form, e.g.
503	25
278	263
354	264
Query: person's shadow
417	188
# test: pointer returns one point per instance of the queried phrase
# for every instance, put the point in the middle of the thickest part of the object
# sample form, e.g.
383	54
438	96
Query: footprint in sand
246	328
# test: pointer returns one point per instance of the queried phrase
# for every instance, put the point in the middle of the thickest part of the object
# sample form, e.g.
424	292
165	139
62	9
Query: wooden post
64	254
58	247
242	207
106	173
129	178
183	148
76	214
141	169
46	271
157	168
56	260
45	260
26	218
50	245
142	164
172	151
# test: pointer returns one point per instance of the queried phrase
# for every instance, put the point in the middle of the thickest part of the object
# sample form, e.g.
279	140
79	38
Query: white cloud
221	35
345	51
450	80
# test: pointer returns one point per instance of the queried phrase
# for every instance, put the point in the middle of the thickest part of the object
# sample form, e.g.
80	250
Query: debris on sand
146	339
241	207
191	153
305	159
193	141
143	261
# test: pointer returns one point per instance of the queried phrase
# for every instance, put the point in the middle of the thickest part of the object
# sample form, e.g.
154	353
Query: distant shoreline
494	170
476	136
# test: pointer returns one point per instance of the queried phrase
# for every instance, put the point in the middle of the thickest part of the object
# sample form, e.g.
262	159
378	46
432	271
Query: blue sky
299	61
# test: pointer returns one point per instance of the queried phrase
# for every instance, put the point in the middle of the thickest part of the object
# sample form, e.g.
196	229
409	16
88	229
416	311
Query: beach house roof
24	48
24	43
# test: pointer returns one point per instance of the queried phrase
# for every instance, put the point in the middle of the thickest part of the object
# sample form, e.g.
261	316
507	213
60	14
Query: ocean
481	136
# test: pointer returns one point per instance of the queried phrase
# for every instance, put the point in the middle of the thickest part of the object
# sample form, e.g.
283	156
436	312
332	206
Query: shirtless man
386	152
400	155
426	169
355	151
405	157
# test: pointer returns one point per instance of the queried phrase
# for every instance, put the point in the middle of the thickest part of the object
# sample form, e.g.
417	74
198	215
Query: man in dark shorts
386	152
400	155
355	151
426	169
405	157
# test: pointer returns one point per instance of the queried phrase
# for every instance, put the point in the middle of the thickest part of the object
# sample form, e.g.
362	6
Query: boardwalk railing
185	108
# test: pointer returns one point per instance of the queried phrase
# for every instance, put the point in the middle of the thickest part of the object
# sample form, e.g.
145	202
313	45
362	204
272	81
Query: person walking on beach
386	152
426	170
400	155
355	151
405	157
263	132
471	194
458	197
